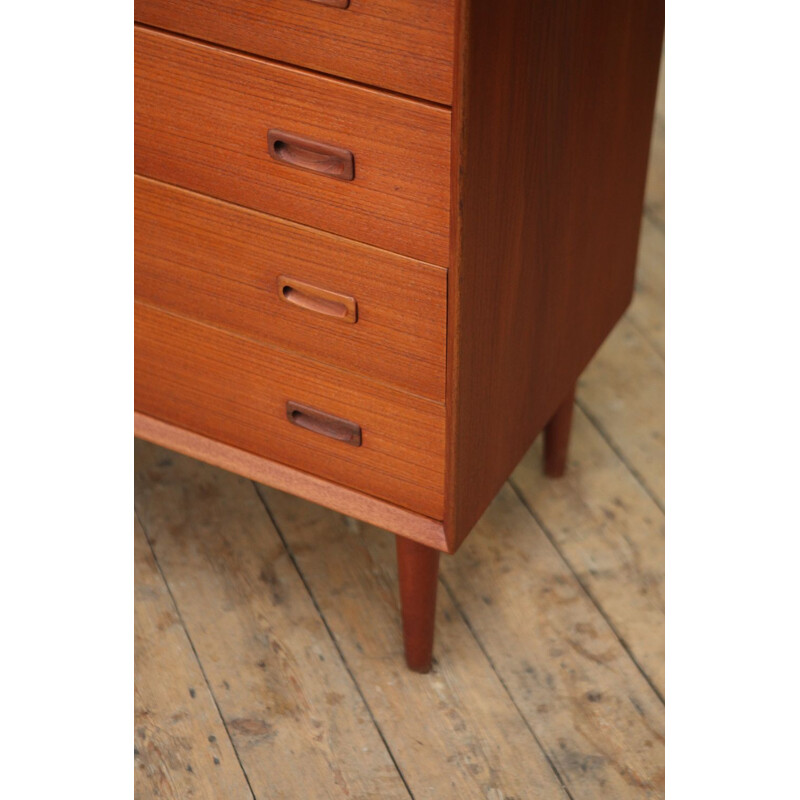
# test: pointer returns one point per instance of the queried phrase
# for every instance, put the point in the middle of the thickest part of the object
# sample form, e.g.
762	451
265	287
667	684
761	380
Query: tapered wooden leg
418	570
556	438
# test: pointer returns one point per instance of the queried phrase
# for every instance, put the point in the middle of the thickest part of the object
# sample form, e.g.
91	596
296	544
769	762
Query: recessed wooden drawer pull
334	3
305	295
298	151
319	422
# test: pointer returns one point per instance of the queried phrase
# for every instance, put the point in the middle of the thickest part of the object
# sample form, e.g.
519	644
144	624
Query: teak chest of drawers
378	240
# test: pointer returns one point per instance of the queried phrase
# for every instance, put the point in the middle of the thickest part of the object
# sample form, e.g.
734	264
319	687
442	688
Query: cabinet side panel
553	107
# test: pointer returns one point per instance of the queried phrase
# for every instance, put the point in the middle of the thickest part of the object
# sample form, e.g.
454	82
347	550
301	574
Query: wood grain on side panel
402	45
226	265
203	115
553	108
236	390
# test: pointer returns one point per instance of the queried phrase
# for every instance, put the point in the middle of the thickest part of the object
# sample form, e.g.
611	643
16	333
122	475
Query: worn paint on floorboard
181	747
297	720
611	533
454	732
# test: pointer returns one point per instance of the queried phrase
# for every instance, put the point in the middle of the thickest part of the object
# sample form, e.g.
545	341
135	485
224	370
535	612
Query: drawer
403	45
289	285
202	121
236	391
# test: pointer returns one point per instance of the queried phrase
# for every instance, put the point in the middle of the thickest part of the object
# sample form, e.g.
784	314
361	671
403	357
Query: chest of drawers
378	240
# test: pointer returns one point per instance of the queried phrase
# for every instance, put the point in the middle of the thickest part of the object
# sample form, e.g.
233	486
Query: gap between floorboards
194	651
332	636
540	522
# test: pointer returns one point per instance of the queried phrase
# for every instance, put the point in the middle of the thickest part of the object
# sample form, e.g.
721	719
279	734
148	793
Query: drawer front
290	285
203	116
236	391
402	45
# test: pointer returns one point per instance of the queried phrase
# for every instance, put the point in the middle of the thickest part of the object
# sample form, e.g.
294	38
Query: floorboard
654	192
611	534
454	732
646	312
622	393
599	720
181	747
297	720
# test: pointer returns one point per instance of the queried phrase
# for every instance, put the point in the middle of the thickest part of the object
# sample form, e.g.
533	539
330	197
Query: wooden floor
268	645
